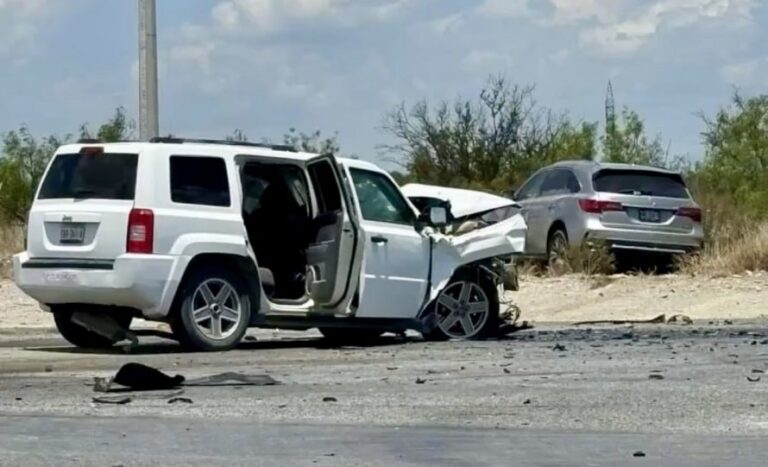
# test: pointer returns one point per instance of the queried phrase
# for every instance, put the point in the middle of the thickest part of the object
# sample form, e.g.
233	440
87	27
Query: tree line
492	142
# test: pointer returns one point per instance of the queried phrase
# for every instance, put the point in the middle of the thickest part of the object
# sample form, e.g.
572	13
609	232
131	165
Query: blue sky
338	65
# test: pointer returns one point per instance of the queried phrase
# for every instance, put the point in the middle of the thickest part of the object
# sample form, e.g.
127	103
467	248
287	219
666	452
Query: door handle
379	239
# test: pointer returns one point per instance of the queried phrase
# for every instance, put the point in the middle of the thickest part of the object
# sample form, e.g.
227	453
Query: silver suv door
556	201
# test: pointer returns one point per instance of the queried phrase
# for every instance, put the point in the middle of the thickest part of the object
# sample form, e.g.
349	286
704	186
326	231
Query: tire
80	336
453	315
557	246
351	336
207	322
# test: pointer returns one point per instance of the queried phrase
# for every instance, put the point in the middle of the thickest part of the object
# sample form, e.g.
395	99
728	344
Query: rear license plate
648	215
72	234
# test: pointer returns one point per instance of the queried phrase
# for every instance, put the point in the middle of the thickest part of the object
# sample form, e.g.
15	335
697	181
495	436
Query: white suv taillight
141	231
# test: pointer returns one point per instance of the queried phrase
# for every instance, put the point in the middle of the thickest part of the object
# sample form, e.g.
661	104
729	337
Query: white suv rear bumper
143	282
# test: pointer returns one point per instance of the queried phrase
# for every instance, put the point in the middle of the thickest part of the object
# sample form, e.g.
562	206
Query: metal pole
148	108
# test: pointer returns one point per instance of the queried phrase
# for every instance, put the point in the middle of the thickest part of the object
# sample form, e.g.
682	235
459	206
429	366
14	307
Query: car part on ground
91	329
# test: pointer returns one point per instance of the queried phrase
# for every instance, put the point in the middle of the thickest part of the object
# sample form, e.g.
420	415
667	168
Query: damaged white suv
215	237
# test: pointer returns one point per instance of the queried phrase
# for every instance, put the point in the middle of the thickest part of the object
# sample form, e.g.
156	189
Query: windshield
633	182
102	176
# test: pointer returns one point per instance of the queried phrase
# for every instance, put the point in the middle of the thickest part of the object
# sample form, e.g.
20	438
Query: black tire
80	336
351	336
490	326
557	245
191	335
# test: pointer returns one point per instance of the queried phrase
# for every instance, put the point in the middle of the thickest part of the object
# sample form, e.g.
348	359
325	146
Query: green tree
313	142
735	166
22	163
492	143
625	141
117	128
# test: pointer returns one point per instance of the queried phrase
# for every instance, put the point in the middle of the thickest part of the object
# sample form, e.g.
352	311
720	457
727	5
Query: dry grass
588	259
731	250
11	242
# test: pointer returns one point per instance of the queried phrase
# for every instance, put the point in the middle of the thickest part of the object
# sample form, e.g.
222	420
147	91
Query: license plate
72	234
647	215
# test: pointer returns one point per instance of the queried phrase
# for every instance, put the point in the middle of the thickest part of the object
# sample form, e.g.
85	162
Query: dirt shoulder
558	300
576	298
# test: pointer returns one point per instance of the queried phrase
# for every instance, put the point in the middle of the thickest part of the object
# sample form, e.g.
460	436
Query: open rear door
334	255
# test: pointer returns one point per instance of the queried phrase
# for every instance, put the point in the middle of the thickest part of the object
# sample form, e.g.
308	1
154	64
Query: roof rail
89	141
175	140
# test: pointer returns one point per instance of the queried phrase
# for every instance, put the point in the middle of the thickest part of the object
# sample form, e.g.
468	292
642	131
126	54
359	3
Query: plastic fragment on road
138	377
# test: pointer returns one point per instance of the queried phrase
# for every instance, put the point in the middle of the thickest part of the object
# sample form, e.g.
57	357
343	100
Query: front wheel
215	310
467	308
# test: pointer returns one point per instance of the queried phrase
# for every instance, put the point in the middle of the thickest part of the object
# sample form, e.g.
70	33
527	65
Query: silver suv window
532	188
641	183
560	182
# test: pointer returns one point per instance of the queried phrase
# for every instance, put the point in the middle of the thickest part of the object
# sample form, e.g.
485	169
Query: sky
264	66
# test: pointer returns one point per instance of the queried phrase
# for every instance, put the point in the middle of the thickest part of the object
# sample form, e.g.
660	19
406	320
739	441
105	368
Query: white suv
215	237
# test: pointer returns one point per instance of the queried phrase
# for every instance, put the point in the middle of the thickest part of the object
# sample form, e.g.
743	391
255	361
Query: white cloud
446	24
18	27
746	73
504	8
269	16
567	11
638	25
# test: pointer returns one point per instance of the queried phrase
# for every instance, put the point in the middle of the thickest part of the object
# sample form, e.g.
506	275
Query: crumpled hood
451	252
463	202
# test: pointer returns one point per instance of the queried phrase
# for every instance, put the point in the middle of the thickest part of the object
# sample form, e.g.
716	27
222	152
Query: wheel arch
557	225
243	264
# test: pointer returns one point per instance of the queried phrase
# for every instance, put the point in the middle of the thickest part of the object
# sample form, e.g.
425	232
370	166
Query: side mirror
438	216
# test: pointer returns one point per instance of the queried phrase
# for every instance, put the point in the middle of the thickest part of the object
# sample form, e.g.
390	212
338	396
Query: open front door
335	251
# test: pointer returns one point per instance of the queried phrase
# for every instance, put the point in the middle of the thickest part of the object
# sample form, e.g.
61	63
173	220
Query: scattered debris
250	338
48	368
145	378
420	380
506	370
19	399
138	377
638	454
116	400
185	400
559	348
661	319
527	402
757	370
753	380
391	368
330	399
656	376
728	322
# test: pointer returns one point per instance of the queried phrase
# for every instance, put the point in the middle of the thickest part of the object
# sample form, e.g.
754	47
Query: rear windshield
633	182
81	176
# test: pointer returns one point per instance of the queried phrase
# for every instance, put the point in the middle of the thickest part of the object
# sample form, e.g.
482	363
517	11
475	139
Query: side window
199	180
573	183
532	188
559	182
326	187
380	200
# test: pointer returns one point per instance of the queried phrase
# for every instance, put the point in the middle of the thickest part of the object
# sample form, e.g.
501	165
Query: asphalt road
681	395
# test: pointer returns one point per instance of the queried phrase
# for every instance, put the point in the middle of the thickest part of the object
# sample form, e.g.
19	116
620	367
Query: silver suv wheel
462	310
216	309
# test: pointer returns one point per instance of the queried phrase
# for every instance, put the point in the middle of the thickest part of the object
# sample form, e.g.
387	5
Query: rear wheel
215	310
557	248
80	336
467	308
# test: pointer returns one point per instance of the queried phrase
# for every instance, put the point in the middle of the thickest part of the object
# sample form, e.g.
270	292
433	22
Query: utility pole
148	108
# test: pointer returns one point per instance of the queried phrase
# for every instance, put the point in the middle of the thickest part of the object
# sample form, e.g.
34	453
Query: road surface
678	395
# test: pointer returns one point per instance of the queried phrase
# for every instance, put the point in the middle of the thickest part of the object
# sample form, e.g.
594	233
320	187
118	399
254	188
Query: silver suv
630	207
